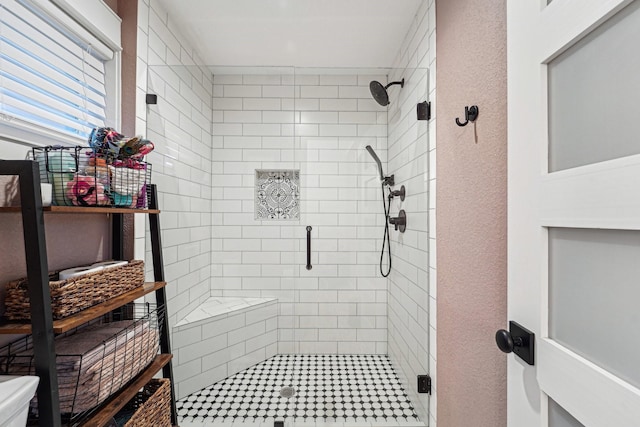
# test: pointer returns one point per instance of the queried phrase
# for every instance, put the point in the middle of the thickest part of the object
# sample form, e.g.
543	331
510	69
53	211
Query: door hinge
424	384
424	110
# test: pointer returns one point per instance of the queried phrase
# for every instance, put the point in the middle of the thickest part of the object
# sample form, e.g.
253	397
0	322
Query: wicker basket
75	294
149	407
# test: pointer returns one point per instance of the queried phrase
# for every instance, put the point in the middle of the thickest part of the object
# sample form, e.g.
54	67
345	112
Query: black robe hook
470	115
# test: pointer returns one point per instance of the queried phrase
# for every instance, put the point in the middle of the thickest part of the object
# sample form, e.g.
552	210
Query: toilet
15	394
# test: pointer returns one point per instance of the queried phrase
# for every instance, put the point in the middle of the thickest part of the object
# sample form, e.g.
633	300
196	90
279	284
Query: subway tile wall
320	124
180	127
411	156
219	346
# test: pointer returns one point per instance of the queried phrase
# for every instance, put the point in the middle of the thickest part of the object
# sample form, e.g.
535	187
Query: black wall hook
470	115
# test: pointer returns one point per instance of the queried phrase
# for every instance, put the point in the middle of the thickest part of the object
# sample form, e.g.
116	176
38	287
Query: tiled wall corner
140	227
180	127
411	156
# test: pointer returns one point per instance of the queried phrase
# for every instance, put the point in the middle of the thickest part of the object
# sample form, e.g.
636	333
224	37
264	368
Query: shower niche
277	194
287	150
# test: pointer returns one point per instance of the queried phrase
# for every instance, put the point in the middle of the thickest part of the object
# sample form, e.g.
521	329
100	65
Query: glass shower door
286	150
343	372
222	136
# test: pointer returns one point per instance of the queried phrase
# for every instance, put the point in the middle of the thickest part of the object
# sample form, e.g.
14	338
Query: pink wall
471	201
72	240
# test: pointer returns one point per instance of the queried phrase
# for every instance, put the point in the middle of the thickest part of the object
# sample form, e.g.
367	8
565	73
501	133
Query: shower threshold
304	390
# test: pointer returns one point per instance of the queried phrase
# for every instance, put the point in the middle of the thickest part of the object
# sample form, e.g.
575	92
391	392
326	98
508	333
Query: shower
379	93
311	335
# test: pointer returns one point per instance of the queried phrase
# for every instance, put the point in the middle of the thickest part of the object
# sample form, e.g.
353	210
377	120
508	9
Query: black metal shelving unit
42	324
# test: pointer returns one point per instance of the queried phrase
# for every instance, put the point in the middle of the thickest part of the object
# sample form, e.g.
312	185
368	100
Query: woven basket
75	294
150	407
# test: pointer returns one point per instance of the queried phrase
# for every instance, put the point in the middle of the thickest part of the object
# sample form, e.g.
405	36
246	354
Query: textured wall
128	12
411	147
320	124
471	217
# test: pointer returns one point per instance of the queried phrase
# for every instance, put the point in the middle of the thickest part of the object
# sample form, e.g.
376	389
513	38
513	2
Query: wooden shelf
84	210
75	320
117	401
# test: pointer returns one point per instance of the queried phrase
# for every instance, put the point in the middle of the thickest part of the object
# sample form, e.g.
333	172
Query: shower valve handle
400	221
395	193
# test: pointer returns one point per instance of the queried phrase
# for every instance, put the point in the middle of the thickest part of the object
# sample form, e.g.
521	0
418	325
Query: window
53	75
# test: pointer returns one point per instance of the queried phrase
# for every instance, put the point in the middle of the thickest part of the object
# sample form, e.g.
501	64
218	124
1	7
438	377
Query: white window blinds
49	77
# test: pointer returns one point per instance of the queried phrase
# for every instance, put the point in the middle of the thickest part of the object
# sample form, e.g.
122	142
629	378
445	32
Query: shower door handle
309	267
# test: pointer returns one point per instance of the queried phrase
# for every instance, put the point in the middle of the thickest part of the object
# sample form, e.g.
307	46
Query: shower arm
400	82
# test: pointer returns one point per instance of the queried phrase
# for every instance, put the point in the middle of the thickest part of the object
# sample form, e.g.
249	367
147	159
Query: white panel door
574	211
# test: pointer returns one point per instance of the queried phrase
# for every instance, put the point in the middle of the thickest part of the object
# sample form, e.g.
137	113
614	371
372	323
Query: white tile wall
319	124
212	348
180	127
411	156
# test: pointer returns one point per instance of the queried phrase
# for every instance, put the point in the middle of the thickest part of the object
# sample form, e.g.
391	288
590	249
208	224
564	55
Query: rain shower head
377	159
379	92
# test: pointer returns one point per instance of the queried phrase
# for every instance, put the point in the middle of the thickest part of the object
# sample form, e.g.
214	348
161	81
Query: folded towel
61	161
79	271
85	190
109	264
127	181
95	362
60	181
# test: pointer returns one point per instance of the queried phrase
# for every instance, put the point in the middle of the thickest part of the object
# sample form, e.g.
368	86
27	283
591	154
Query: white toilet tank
15	394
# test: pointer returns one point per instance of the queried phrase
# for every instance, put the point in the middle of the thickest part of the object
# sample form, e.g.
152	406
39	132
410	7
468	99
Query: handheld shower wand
377	160
389	181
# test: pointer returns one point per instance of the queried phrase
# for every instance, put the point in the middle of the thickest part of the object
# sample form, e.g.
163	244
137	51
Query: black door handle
309	266
505	341
518	340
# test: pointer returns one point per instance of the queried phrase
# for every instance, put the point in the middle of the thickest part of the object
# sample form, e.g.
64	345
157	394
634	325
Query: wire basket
79	177
95	360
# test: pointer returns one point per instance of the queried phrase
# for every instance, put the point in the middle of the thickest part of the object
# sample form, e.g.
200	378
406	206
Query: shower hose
385	239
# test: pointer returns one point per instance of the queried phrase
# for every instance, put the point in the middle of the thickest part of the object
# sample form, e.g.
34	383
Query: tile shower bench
221	337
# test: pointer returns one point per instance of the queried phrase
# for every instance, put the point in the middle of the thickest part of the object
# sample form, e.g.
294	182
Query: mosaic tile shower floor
330	390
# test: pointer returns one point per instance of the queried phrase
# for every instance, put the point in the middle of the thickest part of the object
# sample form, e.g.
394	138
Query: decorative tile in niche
277	194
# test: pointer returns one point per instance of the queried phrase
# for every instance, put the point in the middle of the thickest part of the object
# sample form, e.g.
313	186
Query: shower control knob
398	193
400	221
